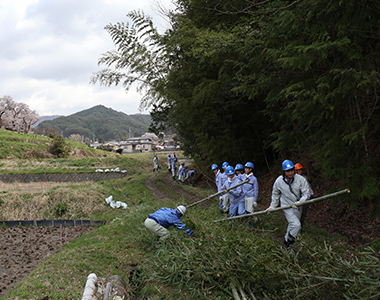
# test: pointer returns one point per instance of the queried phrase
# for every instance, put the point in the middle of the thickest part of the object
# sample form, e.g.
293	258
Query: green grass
223	256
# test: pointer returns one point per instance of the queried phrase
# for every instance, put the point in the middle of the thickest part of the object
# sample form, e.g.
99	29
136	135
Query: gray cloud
51	48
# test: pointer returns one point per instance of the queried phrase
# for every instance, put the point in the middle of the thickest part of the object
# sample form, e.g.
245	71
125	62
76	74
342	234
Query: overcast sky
50	48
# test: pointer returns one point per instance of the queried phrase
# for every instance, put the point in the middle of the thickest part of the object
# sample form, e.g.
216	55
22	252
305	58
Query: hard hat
181	209
213	167
239	167
185	167
249	165
225	165
287	165
168	155
298	166
182	164
230	170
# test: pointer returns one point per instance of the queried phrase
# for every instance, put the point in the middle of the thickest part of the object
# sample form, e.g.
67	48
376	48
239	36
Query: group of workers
182	173
239	189
241	199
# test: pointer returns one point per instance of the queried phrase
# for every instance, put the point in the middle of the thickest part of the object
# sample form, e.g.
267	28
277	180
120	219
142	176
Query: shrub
59	148
60	209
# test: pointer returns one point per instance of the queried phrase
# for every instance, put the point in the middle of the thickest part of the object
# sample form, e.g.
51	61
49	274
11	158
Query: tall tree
246	80
322	91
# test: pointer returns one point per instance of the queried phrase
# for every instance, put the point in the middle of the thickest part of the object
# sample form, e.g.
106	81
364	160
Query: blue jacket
173	162
222	178
182	171
235	195
190	173
169	216
217	181
251	188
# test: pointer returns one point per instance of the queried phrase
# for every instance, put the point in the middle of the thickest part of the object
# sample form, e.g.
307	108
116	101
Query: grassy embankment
225	257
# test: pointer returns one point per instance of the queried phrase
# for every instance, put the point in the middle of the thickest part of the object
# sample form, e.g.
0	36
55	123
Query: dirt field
22	249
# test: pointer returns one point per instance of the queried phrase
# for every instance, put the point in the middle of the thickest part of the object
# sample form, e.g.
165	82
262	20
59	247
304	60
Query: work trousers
156	228
237	209
249	204
293	216
224	203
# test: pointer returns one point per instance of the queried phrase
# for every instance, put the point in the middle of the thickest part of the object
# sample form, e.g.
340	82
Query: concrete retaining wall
66	177
51	223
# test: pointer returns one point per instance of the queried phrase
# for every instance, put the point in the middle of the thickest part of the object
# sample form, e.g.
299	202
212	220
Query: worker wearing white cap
159	221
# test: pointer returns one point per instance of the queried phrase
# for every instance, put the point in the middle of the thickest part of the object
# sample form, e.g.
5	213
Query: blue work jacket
251	188
235	195
169	216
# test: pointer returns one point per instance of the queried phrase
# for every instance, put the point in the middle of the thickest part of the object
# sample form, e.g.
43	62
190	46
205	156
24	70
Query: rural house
137	144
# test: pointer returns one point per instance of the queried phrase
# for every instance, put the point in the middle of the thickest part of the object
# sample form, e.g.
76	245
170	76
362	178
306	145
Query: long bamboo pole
288	206
218	193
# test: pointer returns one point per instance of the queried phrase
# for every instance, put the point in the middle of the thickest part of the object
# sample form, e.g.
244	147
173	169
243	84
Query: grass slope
225	259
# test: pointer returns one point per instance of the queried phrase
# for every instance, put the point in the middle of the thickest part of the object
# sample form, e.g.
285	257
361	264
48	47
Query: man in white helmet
159	221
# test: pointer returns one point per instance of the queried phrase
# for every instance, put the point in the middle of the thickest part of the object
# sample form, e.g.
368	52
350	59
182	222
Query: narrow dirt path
175	187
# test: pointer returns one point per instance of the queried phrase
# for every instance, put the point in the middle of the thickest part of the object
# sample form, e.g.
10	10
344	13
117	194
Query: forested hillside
263	81
99	122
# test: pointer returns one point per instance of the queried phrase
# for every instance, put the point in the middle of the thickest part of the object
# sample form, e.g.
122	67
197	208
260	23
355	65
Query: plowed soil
22	249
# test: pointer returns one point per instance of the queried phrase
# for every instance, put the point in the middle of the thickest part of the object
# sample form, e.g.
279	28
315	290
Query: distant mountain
100	122
45	118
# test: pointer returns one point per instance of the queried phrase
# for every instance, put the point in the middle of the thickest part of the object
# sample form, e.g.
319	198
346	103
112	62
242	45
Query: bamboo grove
261	81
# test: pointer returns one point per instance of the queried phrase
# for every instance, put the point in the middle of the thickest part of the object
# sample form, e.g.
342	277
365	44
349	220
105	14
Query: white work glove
295	204
269	209
254	204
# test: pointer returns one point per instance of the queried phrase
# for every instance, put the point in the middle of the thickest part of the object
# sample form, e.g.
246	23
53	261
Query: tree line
16	116
261	81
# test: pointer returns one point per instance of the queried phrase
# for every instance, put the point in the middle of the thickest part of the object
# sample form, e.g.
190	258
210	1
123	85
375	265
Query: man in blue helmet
289	189
236	196
239	170
224	198
174	165
218	182
155	163
159	221
169	163
250	189
182	172
190	174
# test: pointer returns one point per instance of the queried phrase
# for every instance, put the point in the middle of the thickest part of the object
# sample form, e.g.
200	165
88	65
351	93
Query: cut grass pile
225	259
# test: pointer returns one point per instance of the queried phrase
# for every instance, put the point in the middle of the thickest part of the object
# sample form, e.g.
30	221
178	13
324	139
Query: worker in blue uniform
159	221
236	196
